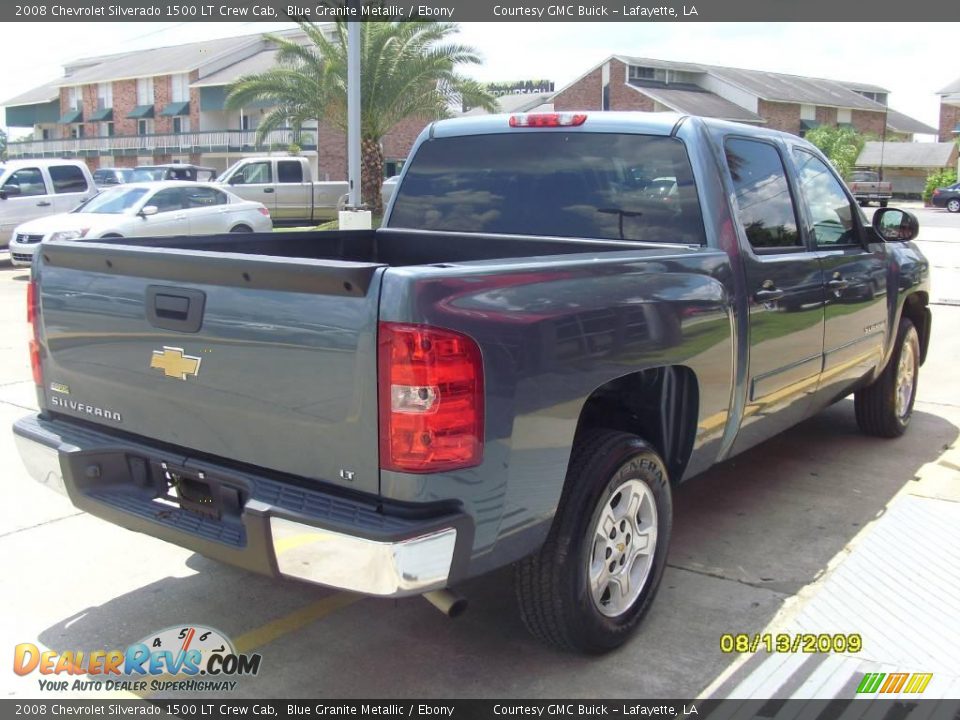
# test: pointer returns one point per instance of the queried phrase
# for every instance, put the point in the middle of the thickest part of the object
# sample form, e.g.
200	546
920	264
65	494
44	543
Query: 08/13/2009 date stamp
791	642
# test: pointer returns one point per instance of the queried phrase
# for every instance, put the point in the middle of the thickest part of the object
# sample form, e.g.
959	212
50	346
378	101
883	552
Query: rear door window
289	171
200	197
68	179
553	183
766	209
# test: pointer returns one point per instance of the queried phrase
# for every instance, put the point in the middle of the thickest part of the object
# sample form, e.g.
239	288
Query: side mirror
3	194
235	180
895	225
148	210
9	190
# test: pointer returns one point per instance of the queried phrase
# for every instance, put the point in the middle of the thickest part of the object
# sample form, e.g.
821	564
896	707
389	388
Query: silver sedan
145	210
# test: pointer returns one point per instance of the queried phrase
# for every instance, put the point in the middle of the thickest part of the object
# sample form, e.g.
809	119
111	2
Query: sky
909	59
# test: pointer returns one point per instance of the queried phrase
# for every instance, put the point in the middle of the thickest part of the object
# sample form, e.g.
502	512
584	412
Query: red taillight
431	399
538	120
263	211
32	300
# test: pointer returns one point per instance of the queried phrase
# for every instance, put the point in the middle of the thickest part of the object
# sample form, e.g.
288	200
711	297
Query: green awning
808	124
176	108
141	112
105	115
70	117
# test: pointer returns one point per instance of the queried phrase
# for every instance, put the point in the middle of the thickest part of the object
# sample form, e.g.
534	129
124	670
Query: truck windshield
587	185
113	202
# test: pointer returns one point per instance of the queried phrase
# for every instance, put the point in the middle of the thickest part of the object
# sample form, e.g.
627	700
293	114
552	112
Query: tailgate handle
172	308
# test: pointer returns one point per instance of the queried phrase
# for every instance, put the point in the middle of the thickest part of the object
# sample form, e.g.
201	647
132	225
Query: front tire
885	406
883	203
953	205
597	574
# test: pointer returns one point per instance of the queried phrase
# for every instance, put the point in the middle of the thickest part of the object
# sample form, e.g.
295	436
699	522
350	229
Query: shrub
940	178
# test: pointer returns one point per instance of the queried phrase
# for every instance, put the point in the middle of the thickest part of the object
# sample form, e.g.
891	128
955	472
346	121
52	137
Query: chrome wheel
907	373
953	205
624	539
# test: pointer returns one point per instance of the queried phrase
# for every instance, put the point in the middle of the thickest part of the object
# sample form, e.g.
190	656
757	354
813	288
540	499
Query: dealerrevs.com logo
181	658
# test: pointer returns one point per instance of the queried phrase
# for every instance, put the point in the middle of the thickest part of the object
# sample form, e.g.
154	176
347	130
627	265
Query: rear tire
883	203
884	407
241	229
953	205
597	574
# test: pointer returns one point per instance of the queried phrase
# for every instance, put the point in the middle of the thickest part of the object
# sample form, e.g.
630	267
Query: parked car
171	207
33	188
108	177
867	187
518	368
173	171
285	185
947	197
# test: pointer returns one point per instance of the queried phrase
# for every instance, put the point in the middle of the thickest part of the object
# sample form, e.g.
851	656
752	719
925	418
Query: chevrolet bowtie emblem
174	363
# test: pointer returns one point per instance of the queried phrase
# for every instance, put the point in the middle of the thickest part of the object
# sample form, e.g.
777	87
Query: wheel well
916	307
658	404
243	227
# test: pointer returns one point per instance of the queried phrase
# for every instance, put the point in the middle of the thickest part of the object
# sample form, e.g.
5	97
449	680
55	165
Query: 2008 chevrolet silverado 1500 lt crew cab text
517	368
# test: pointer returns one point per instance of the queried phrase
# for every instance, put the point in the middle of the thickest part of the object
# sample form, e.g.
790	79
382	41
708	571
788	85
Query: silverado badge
174	363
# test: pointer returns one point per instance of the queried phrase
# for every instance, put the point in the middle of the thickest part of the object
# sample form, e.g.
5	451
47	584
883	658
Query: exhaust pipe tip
448	602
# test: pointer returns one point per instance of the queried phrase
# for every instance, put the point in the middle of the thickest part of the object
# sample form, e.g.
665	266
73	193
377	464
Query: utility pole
883	142
352	217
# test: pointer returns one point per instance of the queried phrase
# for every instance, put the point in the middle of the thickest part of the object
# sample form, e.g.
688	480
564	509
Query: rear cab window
607	186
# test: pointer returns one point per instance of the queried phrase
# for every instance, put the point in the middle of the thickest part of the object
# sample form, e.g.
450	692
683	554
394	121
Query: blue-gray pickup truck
563	316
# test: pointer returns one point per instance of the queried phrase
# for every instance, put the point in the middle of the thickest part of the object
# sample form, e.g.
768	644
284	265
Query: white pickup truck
285	185
31	189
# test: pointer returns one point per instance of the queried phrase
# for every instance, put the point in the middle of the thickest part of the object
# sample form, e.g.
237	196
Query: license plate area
192	492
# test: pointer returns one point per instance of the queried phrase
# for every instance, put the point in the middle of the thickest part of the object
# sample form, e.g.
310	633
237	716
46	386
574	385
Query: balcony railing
162	144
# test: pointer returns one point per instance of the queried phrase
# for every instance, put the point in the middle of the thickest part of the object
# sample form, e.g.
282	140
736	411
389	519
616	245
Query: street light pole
353	109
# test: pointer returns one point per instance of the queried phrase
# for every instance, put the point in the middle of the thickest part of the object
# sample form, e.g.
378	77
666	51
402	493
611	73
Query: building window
145	127
181	124
74	98
642	73
106	129
45	133
145	91
844	116
104	96
180	88
808	112
77	131
244	122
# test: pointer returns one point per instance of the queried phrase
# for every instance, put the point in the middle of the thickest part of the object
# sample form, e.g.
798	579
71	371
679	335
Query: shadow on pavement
748	534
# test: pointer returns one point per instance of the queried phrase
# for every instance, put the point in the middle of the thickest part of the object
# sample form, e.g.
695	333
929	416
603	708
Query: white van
33	188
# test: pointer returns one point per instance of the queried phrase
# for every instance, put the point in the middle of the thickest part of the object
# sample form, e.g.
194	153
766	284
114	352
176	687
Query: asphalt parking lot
750	535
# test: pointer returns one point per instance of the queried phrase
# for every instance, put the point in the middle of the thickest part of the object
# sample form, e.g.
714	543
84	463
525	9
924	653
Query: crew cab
519	367
34	188
285	185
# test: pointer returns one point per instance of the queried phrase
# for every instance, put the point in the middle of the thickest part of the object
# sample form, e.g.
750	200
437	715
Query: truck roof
597	121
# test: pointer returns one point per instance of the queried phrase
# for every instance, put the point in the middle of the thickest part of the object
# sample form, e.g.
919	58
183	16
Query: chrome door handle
43	203
768	292
838	283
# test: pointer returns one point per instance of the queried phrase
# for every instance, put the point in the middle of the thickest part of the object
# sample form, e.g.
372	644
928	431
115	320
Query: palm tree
408	69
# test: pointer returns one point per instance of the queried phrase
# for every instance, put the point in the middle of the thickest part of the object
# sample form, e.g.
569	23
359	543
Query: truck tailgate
266	361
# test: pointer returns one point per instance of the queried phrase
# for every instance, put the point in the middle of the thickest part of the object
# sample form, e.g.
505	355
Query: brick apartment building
168	104
950	112
791	103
